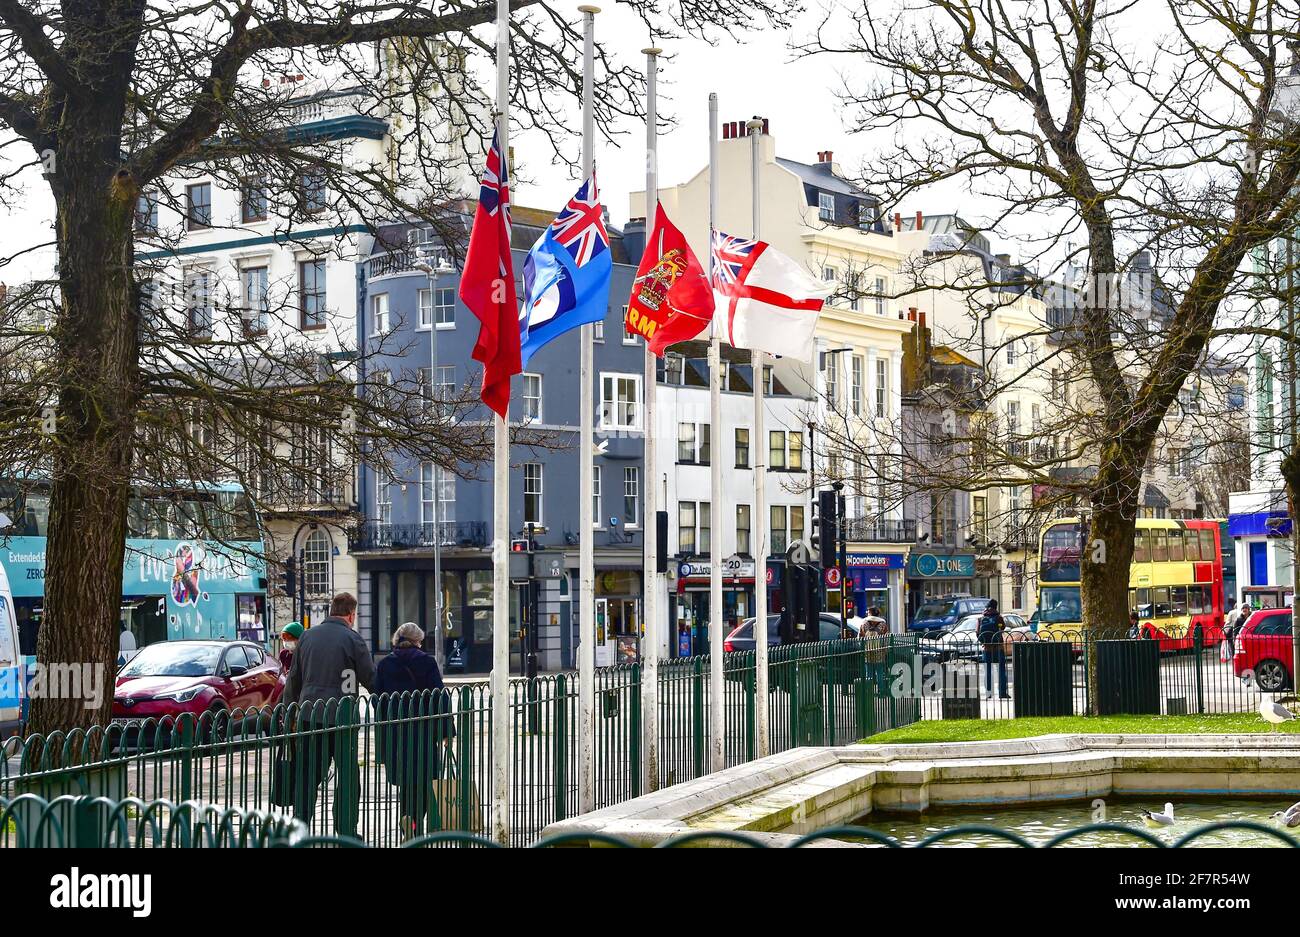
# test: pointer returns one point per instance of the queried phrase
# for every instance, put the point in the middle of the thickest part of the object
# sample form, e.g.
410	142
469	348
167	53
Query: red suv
1264	646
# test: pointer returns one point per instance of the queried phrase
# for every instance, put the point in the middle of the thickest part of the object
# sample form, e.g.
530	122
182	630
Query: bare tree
1057	112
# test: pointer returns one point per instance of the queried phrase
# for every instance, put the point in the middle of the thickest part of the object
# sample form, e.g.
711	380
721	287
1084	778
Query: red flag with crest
671	300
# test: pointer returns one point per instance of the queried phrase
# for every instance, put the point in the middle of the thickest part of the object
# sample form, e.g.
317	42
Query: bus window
1160	545
1198	599
1141	546
36	515
1160	601
1178	600
1192	546
1059	604
1176	553
1144	603
1060	556
1209	552
1132	600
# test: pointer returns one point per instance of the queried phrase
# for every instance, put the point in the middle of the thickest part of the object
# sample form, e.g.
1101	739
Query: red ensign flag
671	298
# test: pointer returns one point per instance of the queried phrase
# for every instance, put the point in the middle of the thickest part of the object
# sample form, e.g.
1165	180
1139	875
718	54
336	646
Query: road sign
832	576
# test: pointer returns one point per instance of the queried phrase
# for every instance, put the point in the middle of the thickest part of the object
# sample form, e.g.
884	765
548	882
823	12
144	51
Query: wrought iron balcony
373	535
870	530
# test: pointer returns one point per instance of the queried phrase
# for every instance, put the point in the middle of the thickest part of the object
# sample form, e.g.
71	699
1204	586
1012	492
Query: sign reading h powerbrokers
870	571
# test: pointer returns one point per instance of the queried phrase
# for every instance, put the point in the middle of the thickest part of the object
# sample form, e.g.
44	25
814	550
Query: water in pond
1038	823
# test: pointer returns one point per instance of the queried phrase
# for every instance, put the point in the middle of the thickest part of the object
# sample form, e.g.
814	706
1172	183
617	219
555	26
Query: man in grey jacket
330	664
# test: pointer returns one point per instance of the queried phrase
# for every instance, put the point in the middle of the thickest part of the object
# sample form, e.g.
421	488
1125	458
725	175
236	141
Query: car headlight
182	696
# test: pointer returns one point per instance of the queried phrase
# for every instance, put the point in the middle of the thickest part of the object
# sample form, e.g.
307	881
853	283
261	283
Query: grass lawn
976	730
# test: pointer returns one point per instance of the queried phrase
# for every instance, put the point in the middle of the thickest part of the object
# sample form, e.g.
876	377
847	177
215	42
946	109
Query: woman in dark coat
414	719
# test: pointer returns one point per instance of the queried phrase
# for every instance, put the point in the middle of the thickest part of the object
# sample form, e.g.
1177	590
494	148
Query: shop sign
940	566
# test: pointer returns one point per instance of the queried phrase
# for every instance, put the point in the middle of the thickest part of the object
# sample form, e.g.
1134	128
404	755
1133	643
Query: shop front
619	625
689	604
875	580
933	575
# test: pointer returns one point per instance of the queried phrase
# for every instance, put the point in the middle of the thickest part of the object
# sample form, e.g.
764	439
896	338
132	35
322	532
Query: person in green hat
289	636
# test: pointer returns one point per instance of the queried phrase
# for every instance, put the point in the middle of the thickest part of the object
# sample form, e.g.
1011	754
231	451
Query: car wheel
216	725
1270	675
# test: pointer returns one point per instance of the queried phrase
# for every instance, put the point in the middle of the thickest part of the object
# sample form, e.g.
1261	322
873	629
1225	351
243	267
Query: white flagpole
501	514
586	513
650	600
717	523
759	447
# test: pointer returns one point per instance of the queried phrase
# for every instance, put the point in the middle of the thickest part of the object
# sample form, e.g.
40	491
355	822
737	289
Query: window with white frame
383	499
832	379
693	443
742	528
198	302
829	274
597	519
256	300
532	397
882	387
742	447
379	314
1011	351
880	296
855	385
825	206
533	493
686	527
785	450
428	474
317	552
629	338
631	496
620	401
777	531
444	310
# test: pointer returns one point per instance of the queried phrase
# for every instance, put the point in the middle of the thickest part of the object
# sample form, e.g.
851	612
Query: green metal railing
391	768
30	821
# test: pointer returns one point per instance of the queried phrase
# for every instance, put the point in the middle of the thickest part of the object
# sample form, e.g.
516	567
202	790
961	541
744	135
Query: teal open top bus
194	566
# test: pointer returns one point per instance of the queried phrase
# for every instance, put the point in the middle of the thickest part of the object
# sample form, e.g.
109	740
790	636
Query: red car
1264	646
174	677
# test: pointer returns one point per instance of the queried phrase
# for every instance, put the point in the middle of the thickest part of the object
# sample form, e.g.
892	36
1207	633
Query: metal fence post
560	731
465	758
697	718
634	740
1198	644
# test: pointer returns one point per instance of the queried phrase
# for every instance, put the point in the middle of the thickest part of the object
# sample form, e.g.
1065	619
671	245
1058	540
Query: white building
249	254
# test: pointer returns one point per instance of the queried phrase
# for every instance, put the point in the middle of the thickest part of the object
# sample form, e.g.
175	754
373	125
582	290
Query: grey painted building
394	543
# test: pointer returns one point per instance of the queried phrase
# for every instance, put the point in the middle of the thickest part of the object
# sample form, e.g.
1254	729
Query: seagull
1274	712
1157	820
1290	817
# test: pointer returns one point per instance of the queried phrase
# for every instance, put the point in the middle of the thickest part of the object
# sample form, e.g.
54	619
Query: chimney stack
920	221
898	221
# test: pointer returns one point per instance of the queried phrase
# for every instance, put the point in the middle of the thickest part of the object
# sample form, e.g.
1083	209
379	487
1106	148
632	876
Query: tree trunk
96	362
1106	557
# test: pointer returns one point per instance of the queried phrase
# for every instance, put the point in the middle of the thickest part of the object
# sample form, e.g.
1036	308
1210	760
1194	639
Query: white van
11	674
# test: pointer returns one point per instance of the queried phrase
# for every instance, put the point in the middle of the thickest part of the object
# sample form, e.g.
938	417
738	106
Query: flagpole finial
652	50
588	8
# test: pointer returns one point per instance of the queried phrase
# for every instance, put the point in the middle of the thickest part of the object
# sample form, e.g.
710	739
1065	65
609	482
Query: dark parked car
942	614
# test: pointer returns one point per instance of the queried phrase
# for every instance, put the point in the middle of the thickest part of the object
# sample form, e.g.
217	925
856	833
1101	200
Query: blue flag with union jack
566	275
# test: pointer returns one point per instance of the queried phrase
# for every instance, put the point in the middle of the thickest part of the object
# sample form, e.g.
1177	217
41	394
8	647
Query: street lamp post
432	267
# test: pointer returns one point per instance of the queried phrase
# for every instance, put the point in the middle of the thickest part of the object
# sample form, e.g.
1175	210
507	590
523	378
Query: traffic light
827	529
796	600
290	582
661	547
523	545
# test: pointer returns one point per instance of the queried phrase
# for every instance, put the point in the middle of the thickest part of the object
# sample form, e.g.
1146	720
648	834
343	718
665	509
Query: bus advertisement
194	565
1175	581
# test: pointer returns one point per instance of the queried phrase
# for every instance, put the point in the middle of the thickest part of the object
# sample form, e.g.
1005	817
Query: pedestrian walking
413	712
989	629
876	631
329	667
1134	625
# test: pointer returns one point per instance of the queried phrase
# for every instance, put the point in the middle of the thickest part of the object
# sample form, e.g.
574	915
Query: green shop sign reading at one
935	565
